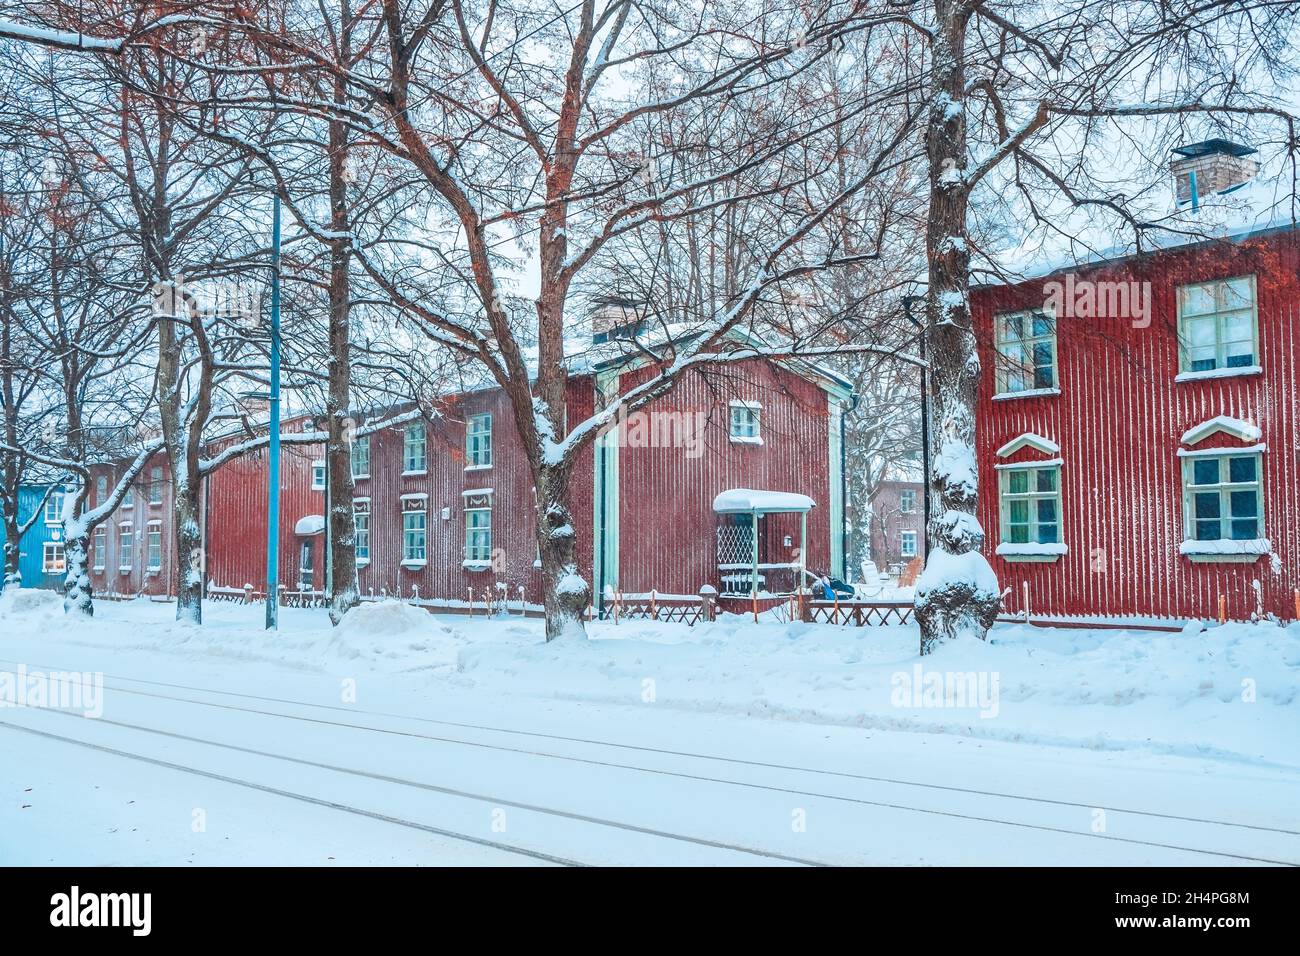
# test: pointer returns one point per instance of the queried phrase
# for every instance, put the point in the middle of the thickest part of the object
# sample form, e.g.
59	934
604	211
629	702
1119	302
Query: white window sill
1027	393
476	565
1226	552
123	570
478	467
414	564
415	474
360	477
743	440
362	562
1212	373
98	567
1031	553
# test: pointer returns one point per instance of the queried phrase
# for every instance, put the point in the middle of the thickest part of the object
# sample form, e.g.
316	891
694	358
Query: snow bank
16	602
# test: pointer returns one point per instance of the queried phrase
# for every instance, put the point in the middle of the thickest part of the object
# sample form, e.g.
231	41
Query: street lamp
273	471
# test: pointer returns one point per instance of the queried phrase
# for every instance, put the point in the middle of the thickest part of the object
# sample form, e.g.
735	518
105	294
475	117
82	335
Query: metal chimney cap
1211	146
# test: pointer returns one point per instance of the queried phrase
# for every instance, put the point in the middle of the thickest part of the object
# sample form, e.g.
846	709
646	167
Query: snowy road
208	768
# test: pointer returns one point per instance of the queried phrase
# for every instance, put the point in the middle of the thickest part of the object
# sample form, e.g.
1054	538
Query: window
54	508
361	457
478	528
1031	505
413	449
909	544
1223	497
154	543
101	489
907	502
361	522
52	557
126	545
1026	346
478	442
414	522
1217	325
745	423
101	549
128	499
155	485
318	476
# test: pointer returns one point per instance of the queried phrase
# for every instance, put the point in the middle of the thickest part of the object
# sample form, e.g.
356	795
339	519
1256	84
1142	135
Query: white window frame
745	422
361	530
128	499
54	508
99	549
905	539
1018	375
415	506
907	501
101	489
1220	315
53	558
1207	549
156	485
478	535
1031	549
478	442
152	541
411	465
361	441
318	475
126	547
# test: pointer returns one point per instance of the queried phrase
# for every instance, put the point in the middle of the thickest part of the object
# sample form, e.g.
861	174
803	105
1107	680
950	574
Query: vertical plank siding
1119	421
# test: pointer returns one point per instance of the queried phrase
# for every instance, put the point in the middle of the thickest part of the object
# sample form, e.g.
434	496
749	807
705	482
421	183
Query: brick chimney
616	318
1214	165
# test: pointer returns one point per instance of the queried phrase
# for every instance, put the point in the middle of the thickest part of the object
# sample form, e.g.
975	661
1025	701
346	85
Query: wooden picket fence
653	606
858	613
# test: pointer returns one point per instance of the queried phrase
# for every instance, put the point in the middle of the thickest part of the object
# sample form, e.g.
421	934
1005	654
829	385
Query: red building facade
445	505
1137	433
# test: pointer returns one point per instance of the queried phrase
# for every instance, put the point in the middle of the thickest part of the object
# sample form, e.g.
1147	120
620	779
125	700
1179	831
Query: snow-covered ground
404	737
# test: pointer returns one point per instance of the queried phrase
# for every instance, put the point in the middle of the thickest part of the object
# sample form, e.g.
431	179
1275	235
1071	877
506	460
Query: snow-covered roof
309	524
745	500
1029	440
1222	423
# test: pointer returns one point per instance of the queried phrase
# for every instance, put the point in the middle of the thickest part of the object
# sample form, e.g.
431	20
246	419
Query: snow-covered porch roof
310	524
750	501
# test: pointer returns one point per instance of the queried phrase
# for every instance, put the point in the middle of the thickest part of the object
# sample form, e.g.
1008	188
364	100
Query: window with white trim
101	489
478	441
153	554
1217	325
361	457
414	445
54	508
126	548
1031	505
907	502
128	499
414	530
1026	351
100	549
478	528
745	423
908	546
318	476
361	524
156	485
52	559
1224	497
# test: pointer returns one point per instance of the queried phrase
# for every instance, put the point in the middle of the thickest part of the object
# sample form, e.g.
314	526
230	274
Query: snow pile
15	602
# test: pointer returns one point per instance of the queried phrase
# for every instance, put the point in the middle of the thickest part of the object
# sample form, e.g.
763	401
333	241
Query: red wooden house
1138	427
445	505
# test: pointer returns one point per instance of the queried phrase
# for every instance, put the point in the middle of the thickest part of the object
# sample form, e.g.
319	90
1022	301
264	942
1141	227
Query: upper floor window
361	457
1217	325
1223	496
745	422
1026	347
101	489
318	476
156	485
1031	505
478	441
54	507
128	499
414	458
907	502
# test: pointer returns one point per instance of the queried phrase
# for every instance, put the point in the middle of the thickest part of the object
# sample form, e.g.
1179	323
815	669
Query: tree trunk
565	594
77	590
958	592
13	576
342	582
